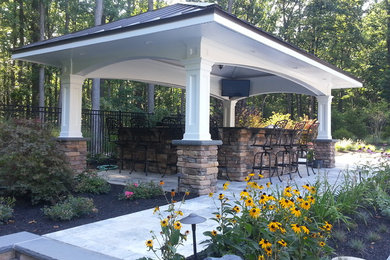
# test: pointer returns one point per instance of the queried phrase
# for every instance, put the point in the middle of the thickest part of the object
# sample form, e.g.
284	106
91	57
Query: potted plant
312	161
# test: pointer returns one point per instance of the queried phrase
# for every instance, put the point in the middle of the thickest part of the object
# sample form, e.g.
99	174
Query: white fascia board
273	44
114	37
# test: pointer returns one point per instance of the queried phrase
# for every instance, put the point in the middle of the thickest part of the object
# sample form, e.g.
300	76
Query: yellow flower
260	187
311	199
261	257
236	209
296	212
274	226
271	207
268	184
322	244
251	174
282	243
282	230
263	199
214	233
254	212
249	202
226	185
270	197
260	176
296	192
218	216
327	226
173	193
300	199
162	183
306	186
221	196
305	205
285	203
179	212
156	209
247	178
244	194
268	250
264	243
177	225
149	243
305	229
296	228
187	193
164	222
211	194
252	184
287	194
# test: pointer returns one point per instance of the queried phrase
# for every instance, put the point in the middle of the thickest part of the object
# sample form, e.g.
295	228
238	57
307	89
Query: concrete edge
69	139
47	248
197	142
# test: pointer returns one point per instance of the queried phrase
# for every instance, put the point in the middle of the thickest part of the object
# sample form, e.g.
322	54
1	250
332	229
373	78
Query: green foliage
90	182
383	201
343	133
357	245
340	236
373	237
6	209
31	162
71	208
143	190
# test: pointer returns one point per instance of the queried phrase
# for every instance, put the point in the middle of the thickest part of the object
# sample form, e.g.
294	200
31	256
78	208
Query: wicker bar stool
306	142
263	160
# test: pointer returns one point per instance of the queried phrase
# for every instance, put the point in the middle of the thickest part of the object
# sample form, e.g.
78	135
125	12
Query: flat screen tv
235	88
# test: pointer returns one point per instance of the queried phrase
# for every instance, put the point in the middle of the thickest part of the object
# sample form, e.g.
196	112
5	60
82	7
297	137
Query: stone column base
197	163
324	149
75	150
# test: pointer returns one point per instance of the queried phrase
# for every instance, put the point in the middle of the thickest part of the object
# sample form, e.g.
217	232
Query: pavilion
192	47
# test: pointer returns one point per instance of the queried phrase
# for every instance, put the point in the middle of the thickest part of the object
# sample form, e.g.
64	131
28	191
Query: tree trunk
230	6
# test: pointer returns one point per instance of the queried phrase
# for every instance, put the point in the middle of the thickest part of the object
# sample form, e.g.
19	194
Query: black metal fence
93	123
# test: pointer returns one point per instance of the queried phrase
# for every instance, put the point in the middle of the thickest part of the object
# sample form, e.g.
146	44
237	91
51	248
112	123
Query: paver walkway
124	237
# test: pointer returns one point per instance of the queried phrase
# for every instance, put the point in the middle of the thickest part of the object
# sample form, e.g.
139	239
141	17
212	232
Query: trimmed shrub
6	209
90	182
31	162
72	207
144	190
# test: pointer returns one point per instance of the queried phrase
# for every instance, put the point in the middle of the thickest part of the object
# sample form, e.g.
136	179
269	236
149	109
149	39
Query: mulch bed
30	218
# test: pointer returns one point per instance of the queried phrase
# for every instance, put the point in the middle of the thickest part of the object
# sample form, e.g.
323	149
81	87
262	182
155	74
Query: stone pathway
124	237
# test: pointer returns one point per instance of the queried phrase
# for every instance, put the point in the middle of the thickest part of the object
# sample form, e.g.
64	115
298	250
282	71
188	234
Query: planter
316	164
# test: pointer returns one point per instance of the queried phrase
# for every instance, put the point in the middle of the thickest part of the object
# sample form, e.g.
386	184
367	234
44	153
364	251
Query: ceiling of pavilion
151	47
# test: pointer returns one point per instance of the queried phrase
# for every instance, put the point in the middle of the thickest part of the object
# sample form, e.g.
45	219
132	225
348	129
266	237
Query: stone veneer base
325	150
198	166
75	150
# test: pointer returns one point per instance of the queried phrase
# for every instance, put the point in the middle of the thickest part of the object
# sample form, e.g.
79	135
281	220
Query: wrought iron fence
93	123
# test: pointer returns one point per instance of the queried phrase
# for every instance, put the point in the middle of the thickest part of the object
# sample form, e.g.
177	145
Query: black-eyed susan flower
218	216
296	228
161	183
251	174
173	193
305	229
282	243
149	243
214	233
247	178
187	232
249	202
221	196
244	194
179	213
164	222
274	226
296	212
285	203
156	209
177	225
306	186
226	185
236	209
300	199
211	194
260	187
326	227
260	257
268	250
252	184
264	243
254	212
187	193
263	199
270	197
271	207
296	192
305	205
322	244
311	199
260	176
268	184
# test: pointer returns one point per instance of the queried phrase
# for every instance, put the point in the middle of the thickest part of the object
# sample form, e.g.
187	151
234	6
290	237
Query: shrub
279	225
31	162
70	208
143	190
6	209
90	182
342	133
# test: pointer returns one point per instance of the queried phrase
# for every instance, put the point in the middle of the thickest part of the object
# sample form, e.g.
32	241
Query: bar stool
269	150
306	141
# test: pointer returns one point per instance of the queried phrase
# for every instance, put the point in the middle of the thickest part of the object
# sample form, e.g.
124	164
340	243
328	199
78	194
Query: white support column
197	99
229	113
324	117
71	106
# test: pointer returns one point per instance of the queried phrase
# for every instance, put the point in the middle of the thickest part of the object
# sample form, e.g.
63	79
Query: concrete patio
124	237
